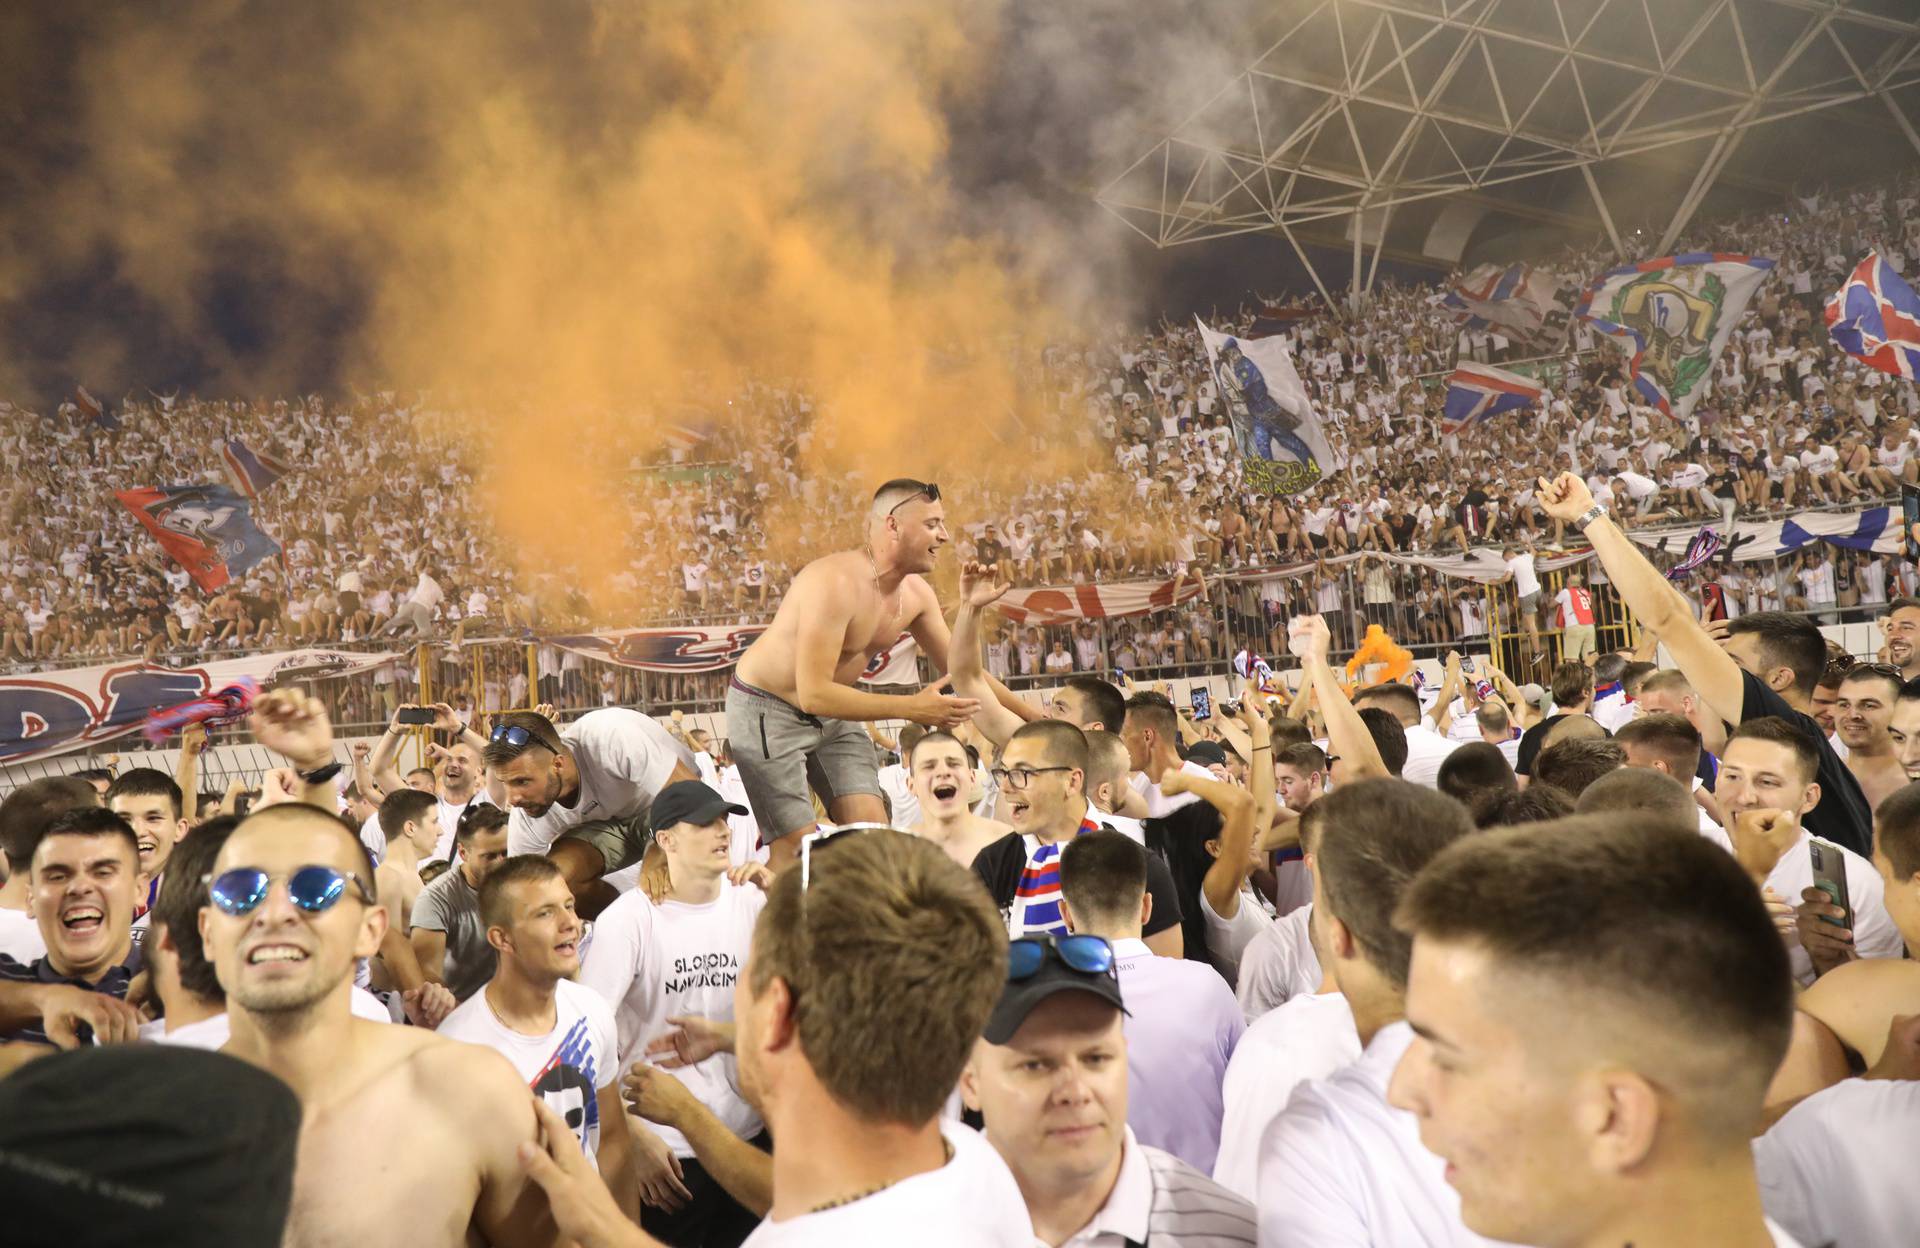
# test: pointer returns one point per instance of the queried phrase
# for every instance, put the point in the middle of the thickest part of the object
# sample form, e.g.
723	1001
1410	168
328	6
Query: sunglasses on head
513	735
1090	955
928	491
825	834
315	889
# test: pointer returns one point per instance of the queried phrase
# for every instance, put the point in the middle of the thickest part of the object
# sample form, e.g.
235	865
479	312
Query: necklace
945	1144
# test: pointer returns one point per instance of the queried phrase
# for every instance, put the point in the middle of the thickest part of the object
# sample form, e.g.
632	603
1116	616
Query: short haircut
147	782
27	811
541	735
1103	875
1609	668
1155	711
1667	680
1499	808
1389	737
1780	732
1639	789
477	818
1107	760
1106	703
1474	768
893	963
895	492
1673	738
283	811
909	737
1305	758
936	737
404	806
1902	603
1493	717
1372	837
95	821
1587	905
496	908
1571	766
1635	675
183	891
1896	830
1789	641
421	771
1398	698
1863	672
1571	683
1289	731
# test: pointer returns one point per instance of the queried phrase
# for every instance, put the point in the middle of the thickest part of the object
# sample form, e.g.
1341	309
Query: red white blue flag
250	471
208	528
1875	318
1476	392
1672	317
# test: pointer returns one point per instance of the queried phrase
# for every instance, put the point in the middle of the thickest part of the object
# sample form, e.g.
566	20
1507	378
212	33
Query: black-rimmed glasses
1016	779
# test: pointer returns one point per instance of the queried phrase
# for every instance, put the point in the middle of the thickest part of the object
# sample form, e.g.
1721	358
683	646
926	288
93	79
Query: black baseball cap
146	1144
1020	996
1207	754
689	801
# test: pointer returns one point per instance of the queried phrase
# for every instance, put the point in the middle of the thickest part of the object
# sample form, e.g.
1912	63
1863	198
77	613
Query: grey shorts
781	750
621	842
1530	602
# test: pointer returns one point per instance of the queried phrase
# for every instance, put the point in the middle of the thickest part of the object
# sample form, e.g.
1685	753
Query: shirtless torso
963	838
837	592
1880	775
462	1111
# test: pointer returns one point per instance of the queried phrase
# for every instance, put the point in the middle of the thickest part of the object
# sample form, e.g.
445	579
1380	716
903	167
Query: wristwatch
1588	516
320	775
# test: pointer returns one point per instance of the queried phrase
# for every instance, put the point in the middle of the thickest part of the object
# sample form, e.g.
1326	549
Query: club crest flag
1477	392
1283	448
208	528
1672	317
1875	318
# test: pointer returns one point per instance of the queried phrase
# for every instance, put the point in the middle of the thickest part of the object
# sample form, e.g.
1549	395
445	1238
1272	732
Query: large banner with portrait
1283	448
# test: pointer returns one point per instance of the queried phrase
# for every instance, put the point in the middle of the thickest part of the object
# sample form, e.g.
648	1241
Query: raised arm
186	773
1347	735
1230	869
1442	712
1660	608
295	724
929	629
980	587
381	766
1259	756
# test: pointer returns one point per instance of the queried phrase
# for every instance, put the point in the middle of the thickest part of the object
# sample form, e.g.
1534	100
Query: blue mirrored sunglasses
513	735
1090	955
314	889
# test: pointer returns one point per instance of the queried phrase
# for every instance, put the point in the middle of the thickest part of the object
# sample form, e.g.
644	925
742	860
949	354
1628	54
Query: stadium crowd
388	537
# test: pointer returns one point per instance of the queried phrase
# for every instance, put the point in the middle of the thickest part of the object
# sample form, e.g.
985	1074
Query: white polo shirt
1426	750
1834	1170
1307	1037
1341	1166
1182	1024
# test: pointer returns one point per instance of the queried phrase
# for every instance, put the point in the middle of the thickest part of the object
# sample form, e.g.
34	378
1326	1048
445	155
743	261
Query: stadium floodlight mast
1363	106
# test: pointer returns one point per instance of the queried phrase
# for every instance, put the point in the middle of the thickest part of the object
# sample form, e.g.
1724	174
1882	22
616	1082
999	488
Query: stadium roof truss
1362	106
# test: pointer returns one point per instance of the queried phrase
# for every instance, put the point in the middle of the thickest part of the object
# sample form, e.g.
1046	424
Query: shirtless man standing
408	822
290	908
940	776
792	706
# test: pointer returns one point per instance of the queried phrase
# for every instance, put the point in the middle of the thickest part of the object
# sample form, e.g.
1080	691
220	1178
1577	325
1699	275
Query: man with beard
1860	717
290	908
940	773
1901	625
793	708
455	779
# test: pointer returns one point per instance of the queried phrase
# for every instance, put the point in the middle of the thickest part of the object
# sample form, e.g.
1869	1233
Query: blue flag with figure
208	528
1282	443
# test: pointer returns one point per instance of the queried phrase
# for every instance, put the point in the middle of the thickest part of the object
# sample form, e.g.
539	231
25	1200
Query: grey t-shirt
451	905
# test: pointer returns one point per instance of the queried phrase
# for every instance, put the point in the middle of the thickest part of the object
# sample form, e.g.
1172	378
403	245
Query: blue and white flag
1874	529
1672	317
1477	392
1875	318
1526	304
249	470
1283	448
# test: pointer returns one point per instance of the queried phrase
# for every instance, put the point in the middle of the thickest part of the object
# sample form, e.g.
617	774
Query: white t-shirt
1278	964
1159	806
1874	935
1227	939
624	759
1526	582
971	1202
1426	750
1307	1037
567	1066
20	937
652	962
1834	1169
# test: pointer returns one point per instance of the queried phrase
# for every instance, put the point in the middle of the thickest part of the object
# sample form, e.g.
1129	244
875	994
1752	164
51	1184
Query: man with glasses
290	908
793	706
1049	1078
1042	779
